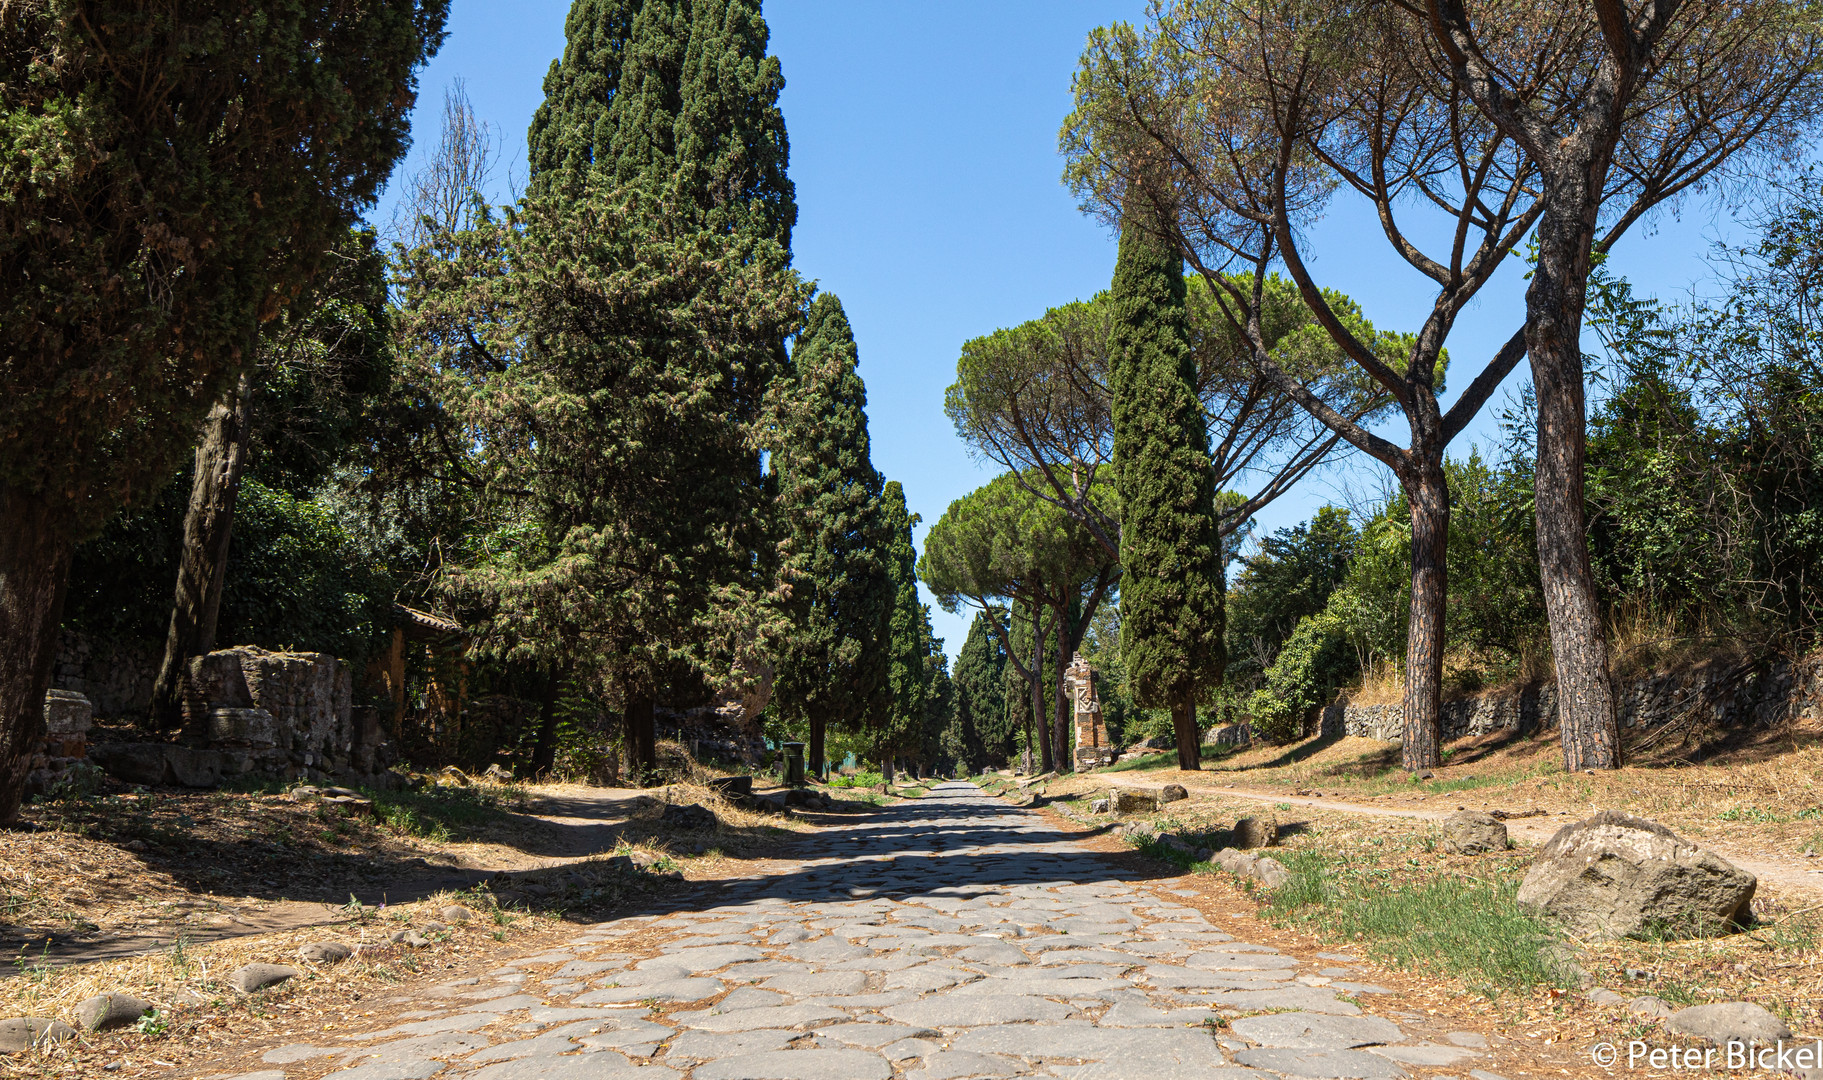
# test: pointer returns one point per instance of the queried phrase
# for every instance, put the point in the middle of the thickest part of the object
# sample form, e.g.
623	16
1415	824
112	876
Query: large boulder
1615	875
1467	832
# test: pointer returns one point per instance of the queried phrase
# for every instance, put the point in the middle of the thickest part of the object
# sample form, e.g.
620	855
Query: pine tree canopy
834	664
1170	547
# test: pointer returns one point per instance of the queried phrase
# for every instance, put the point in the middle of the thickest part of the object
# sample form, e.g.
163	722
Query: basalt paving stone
946	939
1323	1064
1319	1031
708	1045
798	1065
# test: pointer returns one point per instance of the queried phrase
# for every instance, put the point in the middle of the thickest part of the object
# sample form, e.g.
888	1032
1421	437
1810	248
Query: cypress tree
679	114
570	132
980	734
1170	550
833	664
898	727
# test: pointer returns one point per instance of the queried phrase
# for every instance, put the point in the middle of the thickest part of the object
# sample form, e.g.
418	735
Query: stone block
133	763
1131	800
1615	875
1467	832
243	726
67	712
1172	793
1254	832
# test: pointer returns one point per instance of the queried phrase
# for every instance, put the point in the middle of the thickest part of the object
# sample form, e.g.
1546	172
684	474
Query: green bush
857	780
1317	658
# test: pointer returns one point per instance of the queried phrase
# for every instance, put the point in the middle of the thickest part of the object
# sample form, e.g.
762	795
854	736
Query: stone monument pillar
1092	748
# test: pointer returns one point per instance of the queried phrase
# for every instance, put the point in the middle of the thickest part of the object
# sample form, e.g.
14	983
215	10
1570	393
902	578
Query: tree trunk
886	769
1183	728
34	568
1060	728
814	752
1579	643
1429	493
203	566
1043	729
642	740
544	751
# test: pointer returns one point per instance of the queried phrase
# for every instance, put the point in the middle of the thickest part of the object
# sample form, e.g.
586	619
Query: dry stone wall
1731	693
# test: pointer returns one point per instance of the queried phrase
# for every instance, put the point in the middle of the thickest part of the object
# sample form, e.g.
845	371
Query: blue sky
924	150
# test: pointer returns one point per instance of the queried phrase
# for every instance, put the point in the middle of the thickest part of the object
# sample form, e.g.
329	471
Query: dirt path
1537	830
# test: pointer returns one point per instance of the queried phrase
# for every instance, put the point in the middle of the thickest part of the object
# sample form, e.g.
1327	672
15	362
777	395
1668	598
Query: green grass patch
1468	927
1167	759
860	779
442	814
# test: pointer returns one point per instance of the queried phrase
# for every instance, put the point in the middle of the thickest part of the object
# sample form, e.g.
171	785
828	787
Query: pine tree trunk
886	770
34	568
1060	729
1579	644
1043	730
814	752
1183	728
203	566
1428	491
642	740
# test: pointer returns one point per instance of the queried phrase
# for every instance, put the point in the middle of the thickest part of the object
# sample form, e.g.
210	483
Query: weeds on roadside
1468	927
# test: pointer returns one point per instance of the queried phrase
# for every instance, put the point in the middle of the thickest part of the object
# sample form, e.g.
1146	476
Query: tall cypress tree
979	733
833	666
898	727
1171	590
570	132
679	113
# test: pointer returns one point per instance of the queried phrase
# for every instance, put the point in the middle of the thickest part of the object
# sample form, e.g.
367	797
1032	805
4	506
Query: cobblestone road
948	937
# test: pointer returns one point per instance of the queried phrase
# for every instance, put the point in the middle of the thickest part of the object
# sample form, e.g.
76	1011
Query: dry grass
1779	963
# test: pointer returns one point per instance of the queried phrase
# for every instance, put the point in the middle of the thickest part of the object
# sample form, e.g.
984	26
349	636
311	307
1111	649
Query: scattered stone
1728	1021
104	1012
1270	872
324	952
1172	793
1601	996
1473	1040
21	1033
1099	806
1238	863
689	816
252	978
410	938
1252	832
1126	800
456	913
1615	875
1650	1008
1469	833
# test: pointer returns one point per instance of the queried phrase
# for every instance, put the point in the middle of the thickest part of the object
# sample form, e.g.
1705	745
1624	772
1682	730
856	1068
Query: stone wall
248	711
1730	693
116	677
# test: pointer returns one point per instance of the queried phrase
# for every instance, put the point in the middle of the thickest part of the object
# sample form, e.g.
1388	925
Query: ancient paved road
950	937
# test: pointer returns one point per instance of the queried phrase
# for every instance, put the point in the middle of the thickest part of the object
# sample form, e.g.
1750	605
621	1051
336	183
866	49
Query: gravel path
948	937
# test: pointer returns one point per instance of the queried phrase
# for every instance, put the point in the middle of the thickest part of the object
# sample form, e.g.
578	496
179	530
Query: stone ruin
67	717
1093	750
250	712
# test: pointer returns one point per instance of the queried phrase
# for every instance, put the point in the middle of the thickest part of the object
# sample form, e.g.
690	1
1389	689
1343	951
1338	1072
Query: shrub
1317	658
